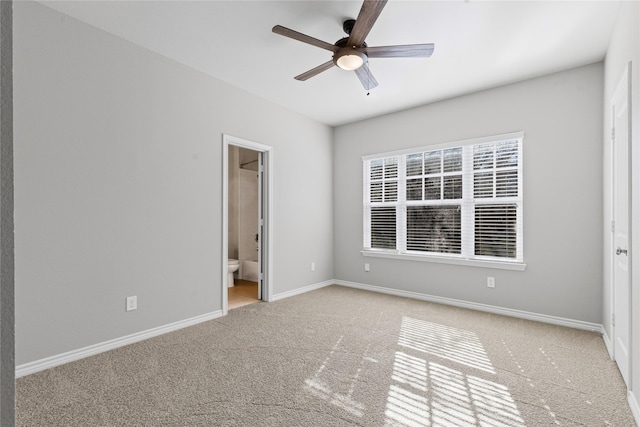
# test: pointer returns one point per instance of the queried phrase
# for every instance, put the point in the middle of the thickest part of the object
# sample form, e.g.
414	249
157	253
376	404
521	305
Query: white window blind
456	200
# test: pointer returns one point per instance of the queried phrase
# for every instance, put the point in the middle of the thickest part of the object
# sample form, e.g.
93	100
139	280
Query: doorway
246	221
620	227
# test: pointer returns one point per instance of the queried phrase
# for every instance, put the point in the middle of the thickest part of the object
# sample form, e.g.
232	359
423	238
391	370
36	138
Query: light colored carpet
340	357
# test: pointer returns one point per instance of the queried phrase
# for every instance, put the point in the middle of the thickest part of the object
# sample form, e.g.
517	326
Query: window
458	201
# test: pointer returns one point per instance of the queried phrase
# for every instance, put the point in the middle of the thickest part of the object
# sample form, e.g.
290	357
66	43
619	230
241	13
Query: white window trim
472	141
445	259
461	259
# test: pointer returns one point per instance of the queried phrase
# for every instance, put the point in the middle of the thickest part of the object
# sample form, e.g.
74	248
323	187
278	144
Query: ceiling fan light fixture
349	59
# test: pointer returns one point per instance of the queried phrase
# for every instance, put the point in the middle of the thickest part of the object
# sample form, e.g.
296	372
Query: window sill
502	265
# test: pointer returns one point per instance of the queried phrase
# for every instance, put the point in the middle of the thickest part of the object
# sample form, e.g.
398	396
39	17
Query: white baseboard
70	356
635	407
578	324
60	359
302	290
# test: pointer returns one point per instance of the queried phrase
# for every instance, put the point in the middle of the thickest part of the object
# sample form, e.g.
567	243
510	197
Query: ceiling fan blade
400	51
315	71
366	78
287	32
368	15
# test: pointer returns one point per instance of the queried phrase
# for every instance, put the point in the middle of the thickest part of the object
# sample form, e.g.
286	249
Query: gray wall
561	115
624	48
7	365
118	186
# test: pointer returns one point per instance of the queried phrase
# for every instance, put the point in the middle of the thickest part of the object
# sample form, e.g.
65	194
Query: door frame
265	260
624	84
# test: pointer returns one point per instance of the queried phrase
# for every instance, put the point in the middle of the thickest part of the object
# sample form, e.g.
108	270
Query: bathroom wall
247	216
232	228
243	205
248	159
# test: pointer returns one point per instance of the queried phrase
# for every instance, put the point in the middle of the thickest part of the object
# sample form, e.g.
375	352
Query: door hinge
260	276
613	226
613	319
613	134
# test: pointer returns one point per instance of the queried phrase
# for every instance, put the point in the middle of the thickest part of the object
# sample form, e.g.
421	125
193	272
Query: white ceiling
479	44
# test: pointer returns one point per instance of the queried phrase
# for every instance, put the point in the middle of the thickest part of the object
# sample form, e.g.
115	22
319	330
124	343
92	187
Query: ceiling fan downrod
347	25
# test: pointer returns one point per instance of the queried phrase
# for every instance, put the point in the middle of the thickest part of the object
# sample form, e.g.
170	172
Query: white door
621	256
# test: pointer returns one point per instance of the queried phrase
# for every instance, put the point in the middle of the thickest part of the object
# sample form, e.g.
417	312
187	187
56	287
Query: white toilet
232	265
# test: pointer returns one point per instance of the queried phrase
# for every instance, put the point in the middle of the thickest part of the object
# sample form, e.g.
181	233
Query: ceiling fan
352	53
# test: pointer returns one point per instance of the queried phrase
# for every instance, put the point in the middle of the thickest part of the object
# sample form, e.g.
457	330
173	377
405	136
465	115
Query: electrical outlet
313	266
367	267
132	303
491	282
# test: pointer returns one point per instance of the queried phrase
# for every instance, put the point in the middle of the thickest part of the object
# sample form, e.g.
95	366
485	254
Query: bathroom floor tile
242	293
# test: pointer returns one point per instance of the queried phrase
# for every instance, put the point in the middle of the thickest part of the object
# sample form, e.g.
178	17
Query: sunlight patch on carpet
406	408
428	394
443	341
410	370
493	403
319	387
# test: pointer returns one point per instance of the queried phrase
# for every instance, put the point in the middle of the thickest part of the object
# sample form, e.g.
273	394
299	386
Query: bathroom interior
243	226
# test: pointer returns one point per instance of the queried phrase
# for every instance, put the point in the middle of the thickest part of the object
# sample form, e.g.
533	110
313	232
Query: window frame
467	204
